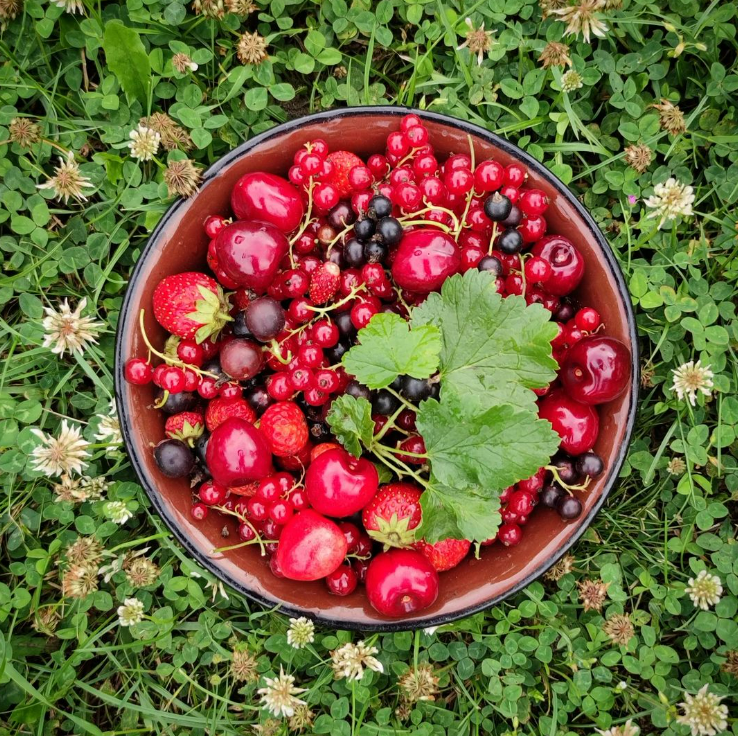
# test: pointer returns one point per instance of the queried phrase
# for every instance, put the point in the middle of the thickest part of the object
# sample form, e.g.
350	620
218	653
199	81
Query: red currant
138	372
417	135
407	196
377	164
170	378
213	225
397	144
515	175
342	581
280	512
537	270
532	228
324	333
433	191
458	181
533	202
510	534
425	165
327	381
360	178
212	493
199	511
587	319
310	356
301	379
207	387
488	176
409	121
279	386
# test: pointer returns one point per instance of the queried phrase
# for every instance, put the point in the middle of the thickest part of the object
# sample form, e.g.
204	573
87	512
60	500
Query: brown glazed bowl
179	244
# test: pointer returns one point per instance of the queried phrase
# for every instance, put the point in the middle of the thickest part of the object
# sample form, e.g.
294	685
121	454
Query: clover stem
168	359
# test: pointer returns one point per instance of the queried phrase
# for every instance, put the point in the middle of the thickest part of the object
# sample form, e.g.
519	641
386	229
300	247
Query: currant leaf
350	420
388	348
493	348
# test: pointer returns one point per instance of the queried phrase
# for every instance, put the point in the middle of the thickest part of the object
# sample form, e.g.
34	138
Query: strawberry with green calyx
191	305
445	554
186	426
392	515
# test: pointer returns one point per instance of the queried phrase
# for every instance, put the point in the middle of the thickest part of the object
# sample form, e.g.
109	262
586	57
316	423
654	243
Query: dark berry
435	390
336	256
497	207
491	264
258	398
364	229
390	230
201	446
353	253
569	507
337	352
341	216
385	403
358	391
239	326
265	318
566	470
319	432
174	458
514	218
380	207
590	464
416	389
344	324
551	494
566	311
510	242
375	251
175	403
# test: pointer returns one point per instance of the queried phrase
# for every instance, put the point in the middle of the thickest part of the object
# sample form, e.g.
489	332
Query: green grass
537	664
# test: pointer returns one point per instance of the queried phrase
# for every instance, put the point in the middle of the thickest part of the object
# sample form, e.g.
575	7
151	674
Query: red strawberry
186	426
191	304
343	162
222	408
444	554
246	490
300	461
324	282
285	428
392	514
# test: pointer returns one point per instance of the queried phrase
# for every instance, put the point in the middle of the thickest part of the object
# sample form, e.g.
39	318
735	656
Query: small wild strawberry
186	426
324	283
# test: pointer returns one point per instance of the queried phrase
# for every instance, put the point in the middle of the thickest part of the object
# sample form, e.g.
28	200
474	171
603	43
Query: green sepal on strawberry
392	515
343	162
191	305
186	427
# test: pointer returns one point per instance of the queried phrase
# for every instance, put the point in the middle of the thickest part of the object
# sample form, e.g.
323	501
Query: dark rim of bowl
127	321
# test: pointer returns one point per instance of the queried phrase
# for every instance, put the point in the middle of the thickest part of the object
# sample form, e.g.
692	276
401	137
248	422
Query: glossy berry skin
310	547
250	253
533	202
284	426
339	485
237	453
173	458
551	494
265	316
267	198
401	582
587	319
138	372
424	260
488	176
596	369
577	424
242	359
342	581
567	264
446	553
212	494
497	207
569	507
589	464
510	534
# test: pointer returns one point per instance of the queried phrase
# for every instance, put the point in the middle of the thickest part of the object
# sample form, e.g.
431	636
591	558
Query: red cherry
596	369
577	424
424	259
342	581
237	453
268	199
566	262
138	371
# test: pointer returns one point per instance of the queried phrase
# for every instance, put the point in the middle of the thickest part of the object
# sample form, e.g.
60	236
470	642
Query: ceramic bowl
179	244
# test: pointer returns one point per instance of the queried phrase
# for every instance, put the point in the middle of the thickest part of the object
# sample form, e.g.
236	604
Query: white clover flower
478	41
430	630
670	200
690	378
66	330
70	6
131	612
571	81
350	659
67	180
703	713
182	63
108	429
278	696
144	142
583	19
704	590
301	632
60	455
117	512
627	729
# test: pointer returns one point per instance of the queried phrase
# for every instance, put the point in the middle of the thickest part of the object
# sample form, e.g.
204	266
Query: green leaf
494	349
491	450
350	420
127	59
389	348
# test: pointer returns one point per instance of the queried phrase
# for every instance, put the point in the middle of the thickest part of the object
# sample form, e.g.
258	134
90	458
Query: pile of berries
253	362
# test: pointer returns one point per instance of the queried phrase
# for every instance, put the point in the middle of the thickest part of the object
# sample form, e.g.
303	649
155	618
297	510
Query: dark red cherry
596	369
250	252
567	264
577	424
424	260
267	198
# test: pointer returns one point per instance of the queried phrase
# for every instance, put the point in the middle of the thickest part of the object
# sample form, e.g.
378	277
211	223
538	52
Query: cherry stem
168	359
568	488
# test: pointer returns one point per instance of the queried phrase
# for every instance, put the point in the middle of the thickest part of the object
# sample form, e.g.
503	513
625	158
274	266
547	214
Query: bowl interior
179	244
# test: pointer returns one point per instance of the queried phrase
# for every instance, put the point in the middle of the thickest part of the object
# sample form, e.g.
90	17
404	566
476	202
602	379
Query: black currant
364	229
336	256
510	242
358	390
353	253
566	311
390	230
380	206
213	366
514	218
375	251
416	389
396	385
201	446
341	216
239	327
319	432
435	390
265	318
551	494
590	463
565	467
385	403
345	326
569	507
258	398
497	207
490	263
175	403
337	352
174	458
